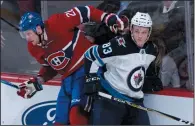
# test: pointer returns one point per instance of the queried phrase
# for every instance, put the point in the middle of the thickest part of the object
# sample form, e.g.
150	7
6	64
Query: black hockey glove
152	84
92	84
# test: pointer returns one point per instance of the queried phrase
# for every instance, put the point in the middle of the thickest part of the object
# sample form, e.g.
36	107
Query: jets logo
58	60
135	79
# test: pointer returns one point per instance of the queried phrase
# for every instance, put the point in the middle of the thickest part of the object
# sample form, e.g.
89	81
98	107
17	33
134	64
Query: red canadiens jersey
66	44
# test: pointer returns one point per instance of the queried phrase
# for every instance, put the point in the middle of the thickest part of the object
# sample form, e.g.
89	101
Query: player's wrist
40	79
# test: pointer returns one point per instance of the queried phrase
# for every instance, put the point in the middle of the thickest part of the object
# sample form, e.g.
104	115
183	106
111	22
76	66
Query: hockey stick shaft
10	24
107	96
9	84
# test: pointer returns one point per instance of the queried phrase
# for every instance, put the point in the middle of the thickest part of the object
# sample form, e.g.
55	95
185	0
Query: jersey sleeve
76	16
46	71
99	55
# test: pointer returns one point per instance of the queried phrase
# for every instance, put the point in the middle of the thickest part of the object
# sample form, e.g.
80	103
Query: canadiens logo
135	79
30	16
58	60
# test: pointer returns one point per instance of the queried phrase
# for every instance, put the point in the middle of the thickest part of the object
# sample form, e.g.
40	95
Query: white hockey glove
29	88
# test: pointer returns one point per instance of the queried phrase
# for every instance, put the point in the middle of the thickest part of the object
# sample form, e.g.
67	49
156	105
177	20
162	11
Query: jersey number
70	13
106	48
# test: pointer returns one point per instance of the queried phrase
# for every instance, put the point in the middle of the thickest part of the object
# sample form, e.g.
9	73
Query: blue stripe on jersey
84	13
105	84
69	50
87	54
76	34
96	55
91	54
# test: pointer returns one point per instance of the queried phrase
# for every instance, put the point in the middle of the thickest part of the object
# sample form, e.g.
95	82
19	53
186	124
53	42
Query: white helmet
141	19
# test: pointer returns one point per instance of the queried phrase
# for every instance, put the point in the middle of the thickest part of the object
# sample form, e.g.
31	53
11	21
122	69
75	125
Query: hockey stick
10	24
104	95
9	84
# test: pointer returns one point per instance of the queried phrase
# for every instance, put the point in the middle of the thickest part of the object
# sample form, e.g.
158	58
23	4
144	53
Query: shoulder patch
121	41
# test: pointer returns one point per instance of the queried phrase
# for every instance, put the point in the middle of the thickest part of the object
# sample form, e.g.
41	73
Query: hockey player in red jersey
58	45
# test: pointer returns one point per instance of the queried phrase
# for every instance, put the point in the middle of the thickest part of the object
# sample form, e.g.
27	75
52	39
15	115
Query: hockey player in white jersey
126	58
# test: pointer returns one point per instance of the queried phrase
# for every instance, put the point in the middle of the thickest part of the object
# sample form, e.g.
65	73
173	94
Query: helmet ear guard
22	34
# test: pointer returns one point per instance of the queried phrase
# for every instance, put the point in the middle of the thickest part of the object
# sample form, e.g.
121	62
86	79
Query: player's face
31	36
140	34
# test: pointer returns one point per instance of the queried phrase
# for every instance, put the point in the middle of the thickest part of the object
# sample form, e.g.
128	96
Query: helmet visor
22	34
26	34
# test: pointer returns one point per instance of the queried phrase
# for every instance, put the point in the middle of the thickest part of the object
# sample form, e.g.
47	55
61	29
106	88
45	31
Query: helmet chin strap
42	42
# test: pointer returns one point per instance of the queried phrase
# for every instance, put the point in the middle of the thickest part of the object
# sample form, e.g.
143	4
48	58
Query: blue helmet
29	21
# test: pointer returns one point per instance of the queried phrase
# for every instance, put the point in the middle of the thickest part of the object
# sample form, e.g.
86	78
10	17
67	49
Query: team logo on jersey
58	60
135	79
121	41
142	51
30	16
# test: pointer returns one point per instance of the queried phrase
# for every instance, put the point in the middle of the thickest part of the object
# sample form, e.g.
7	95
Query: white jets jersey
126	64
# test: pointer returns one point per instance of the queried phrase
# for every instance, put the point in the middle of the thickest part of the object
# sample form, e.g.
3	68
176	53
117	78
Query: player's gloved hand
125	20
114	23
152	84
92	83
29	88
